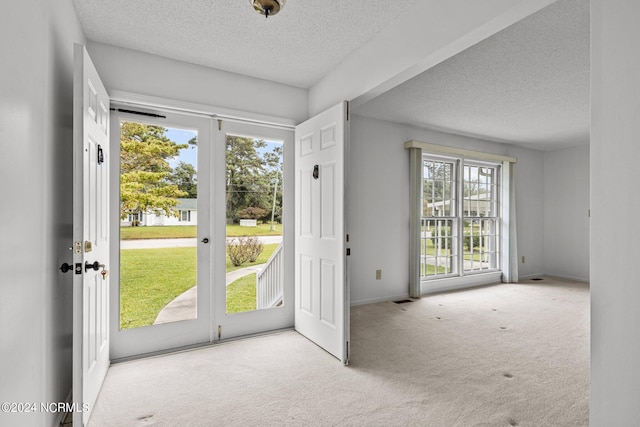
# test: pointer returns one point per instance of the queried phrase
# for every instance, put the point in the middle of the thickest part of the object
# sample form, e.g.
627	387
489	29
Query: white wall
566	208
615	243
36	42
152	75
378	204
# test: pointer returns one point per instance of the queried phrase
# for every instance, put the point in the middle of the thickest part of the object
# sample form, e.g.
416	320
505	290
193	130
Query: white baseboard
531	276
380	299
573	279
552	275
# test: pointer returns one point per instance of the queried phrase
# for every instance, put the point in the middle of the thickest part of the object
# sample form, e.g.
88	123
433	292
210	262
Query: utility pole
273	209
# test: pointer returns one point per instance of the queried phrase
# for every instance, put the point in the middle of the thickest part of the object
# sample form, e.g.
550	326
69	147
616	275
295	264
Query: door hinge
219	124
219	331
347	110
347	238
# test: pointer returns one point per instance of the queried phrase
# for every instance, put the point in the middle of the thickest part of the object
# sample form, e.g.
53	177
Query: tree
144	169
184	176
437	187
251	176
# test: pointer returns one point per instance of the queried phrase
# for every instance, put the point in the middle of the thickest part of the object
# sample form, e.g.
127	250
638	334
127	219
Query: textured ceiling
299	46
528	85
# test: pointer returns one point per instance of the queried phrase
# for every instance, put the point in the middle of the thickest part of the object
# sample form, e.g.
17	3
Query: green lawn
431	270
241	294
159	232
234	230
185	231
151	278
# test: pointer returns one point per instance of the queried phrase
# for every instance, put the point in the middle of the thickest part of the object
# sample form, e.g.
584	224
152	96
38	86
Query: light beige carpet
505	355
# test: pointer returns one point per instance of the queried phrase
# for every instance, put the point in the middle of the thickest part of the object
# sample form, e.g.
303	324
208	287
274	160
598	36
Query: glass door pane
158	224
254	273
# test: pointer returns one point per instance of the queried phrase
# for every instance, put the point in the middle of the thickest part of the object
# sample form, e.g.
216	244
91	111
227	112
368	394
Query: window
459	226
480	217
185	215
438	243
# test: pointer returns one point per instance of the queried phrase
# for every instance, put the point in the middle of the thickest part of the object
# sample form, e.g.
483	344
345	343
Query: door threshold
197	346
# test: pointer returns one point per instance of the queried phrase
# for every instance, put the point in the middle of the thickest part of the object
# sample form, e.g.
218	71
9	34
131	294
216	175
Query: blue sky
189	155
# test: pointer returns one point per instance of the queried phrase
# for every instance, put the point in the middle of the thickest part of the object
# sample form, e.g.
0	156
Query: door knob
95	265
205	240
66	267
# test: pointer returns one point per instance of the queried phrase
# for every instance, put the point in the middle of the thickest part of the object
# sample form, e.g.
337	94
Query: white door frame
256	321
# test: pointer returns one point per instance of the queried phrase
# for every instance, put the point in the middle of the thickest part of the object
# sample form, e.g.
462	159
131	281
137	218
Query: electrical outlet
378	274
523	259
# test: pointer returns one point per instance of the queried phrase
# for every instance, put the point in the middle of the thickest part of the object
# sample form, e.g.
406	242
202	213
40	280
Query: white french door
321	279
253	195
301	280
90	235
161	217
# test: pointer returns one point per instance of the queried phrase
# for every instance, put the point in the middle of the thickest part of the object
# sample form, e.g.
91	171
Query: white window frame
459	278
184	215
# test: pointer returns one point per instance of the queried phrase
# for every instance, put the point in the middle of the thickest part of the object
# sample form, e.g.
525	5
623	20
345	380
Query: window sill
456	283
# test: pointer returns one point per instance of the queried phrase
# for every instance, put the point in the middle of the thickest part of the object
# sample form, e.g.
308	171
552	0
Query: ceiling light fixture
268	7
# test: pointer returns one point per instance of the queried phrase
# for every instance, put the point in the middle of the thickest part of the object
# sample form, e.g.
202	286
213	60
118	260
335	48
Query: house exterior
572	203
186	213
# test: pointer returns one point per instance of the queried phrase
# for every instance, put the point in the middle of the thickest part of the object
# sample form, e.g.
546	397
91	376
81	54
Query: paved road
179	243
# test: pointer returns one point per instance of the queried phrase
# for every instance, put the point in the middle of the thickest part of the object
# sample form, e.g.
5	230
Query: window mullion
460	214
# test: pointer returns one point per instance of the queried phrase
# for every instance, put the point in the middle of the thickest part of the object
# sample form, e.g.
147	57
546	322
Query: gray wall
36	39
378	204
615	243
566	209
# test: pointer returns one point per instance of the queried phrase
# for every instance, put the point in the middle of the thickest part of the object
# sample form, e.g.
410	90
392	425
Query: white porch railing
270	281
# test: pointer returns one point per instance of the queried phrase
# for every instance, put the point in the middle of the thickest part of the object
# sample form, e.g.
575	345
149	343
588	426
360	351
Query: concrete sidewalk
184	306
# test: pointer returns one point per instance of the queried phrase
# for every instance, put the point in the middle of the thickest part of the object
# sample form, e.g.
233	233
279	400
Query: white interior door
90	235
321	285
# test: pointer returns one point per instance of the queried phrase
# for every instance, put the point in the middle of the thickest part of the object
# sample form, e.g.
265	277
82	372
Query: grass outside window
151	278
190	231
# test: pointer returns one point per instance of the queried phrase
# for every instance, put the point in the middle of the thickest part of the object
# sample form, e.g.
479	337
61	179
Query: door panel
166	280
254	296
90	234
322	288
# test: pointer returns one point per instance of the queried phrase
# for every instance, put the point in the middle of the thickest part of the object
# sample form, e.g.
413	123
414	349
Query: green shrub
467	241
243	249
255	247
439	233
